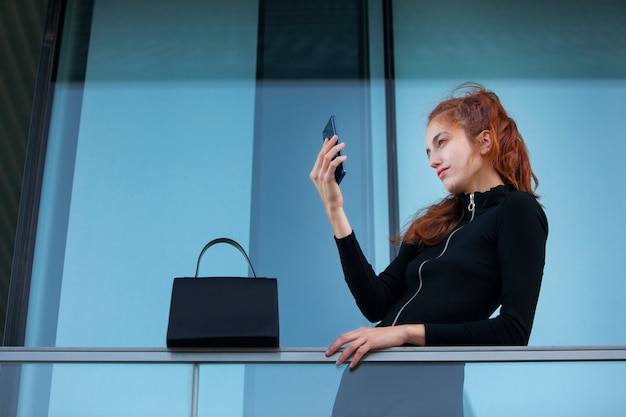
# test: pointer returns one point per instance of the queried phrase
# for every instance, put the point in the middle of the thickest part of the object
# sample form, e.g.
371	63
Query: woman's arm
374	294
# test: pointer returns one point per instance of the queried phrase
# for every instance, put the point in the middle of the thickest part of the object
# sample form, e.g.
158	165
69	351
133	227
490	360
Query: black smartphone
329	131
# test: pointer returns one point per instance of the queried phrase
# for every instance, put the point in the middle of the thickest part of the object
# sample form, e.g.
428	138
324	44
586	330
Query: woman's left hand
360	341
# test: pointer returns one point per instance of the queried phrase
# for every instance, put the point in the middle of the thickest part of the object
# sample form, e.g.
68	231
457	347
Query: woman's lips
441	171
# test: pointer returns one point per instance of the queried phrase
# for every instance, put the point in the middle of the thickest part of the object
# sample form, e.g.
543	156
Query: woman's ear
485	142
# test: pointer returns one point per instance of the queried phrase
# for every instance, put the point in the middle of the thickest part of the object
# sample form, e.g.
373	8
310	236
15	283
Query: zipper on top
472	209
471	206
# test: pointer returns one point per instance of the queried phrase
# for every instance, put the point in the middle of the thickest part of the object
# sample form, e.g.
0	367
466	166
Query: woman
480	248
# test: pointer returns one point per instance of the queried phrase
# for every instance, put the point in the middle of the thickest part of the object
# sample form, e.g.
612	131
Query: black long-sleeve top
494	258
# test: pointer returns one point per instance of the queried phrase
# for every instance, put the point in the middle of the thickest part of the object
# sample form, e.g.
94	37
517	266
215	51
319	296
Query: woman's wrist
415	334
339	222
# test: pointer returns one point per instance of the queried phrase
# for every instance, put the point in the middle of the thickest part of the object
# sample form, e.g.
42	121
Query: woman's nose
434	160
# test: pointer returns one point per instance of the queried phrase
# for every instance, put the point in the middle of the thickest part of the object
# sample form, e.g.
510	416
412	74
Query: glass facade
181	124
174	124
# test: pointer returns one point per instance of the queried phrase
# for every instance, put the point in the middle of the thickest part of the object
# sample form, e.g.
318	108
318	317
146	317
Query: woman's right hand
323	173
323	176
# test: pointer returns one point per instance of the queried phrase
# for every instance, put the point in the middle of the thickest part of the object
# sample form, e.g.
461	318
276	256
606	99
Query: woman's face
456	159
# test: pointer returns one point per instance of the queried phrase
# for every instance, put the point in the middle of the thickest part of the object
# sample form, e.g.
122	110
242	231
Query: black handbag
224	311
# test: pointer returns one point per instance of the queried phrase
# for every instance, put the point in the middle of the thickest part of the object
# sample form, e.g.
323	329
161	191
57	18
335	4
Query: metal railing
309	355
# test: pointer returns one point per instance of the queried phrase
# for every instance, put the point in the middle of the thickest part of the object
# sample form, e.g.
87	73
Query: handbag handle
230	242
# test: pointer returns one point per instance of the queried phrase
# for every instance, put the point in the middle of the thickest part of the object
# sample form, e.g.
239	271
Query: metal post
194	389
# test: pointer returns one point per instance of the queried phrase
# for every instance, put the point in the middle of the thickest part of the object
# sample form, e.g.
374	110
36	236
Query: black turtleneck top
494	258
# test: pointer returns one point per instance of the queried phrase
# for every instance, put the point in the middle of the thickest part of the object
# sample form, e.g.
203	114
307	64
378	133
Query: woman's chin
450	186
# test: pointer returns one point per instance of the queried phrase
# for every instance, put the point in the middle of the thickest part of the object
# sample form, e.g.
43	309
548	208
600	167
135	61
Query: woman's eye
441	142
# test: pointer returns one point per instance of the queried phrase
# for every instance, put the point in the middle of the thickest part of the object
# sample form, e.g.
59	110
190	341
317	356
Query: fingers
358	354
354	352
325	165
356	343
327	146
329	158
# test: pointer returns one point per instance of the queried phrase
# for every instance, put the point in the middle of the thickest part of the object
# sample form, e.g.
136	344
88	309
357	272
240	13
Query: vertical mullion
390	107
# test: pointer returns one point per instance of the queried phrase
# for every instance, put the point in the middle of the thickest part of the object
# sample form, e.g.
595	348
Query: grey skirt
400	390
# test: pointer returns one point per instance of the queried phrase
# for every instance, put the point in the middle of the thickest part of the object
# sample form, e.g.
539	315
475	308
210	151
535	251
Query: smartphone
329	131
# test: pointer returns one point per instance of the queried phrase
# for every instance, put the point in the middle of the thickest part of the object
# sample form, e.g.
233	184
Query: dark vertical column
312	63
33	177
390	107
19	289
20	43
67	23
58	66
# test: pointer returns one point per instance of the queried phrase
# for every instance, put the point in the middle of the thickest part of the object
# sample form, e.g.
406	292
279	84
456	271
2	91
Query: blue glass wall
160	149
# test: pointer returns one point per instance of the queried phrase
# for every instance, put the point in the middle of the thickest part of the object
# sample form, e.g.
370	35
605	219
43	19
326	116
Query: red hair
476	111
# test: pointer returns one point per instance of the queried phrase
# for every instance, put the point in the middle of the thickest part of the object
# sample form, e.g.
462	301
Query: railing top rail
308	355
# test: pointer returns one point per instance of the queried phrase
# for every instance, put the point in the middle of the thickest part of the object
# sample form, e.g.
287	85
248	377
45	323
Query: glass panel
544	389
267	390
559	71
150	158
166	139
221	390
79	390
314	389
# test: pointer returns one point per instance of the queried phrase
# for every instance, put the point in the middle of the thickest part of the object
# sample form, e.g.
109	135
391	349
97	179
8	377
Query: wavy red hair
477	110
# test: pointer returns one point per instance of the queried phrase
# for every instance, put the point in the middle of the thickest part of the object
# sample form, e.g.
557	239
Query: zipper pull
471	206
